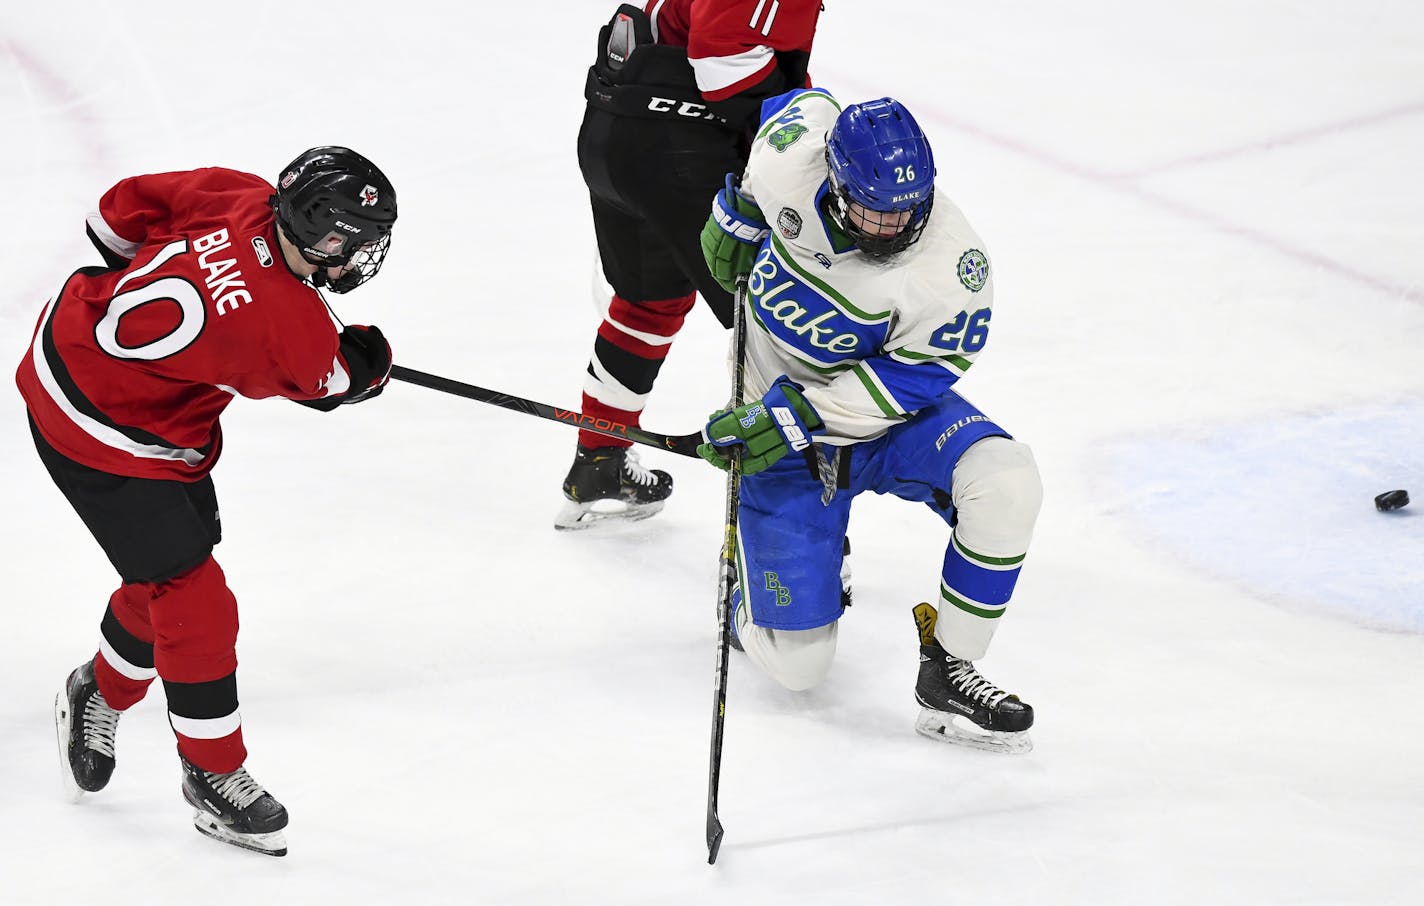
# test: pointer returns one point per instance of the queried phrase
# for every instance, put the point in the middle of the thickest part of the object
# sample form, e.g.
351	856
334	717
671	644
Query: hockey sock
123	667
632	343
195	621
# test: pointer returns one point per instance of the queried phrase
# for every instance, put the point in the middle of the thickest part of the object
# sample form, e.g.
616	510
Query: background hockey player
673	98
868	298
210	292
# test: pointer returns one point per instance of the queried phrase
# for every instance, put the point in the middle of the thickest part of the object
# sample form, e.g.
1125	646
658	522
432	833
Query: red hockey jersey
130	367
732	44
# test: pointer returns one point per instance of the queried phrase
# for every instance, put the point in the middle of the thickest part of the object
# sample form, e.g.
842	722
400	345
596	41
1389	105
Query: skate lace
636	471
100	724
969	681
238	787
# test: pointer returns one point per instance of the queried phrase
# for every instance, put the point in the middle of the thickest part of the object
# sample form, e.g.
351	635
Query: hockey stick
681	444
726	575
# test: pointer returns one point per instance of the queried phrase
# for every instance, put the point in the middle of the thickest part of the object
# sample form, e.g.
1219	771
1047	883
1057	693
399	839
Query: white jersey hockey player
867	298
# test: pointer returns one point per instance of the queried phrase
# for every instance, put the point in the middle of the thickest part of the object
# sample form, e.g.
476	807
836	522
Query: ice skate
609	483
235	809
84	726
960	706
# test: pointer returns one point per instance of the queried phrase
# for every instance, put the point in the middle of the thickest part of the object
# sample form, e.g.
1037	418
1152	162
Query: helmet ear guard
878	158
339	210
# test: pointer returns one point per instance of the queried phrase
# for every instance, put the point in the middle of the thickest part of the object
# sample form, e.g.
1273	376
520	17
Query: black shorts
651	183
150	529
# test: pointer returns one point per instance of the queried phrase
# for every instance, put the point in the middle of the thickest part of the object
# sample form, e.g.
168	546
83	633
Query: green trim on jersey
957	362
839	301
793	352
878	392
765	127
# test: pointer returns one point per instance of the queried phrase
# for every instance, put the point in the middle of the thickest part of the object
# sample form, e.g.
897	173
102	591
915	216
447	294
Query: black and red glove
368	360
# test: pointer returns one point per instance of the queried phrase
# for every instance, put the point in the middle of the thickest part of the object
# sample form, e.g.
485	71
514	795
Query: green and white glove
768	429
732	235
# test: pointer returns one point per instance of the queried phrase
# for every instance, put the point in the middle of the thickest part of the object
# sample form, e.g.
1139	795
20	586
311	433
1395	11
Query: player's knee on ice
997	494
796	658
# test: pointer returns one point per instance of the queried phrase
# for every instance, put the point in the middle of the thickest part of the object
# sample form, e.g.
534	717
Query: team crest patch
788	223
786	136
368	197
973	270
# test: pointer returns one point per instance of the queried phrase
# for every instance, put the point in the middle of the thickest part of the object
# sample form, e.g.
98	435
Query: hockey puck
1391	500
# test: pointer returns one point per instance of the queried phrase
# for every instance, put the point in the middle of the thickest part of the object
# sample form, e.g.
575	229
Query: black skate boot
235	809
950	691
85	726
610	483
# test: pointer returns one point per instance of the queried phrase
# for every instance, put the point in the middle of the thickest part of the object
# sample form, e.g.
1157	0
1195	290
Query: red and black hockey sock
632	343
195	623
124	667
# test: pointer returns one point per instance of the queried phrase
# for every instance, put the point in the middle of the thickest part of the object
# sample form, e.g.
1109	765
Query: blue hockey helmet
881	176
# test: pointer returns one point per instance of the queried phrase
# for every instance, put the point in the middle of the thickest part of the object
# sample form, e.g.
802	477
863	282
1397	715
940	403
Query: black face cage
876	246
364	264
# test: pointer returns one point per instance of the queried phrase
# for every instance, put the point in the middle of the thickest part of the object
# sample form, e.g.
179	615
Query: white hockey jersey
872	340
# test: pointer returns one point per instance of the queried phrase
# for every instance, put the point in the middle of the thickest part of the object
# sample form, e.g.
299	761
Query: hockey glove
368	359
768	429
732	235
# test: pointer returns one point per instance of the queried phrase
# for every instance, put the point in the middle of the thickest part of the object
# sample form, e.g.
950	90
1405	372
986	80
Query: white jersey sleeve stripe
715	73
116	243
653	18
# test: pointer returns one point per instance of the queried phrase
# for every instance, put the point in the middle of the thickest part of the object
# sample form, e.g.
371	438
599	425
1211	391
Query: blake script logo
790	313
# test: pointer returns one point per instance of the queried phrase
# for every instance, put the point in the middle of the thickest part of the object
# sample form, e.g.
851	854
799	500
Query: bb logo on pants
783	594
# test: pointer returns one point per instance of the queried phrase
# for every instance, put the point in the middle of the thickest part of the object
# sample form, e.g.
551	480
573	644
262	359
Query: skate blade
72	791
961	731
271	844
577	516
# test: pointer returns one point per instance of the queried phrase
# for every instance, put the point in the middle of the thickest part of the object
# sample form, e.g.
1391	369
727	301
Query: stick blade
714	837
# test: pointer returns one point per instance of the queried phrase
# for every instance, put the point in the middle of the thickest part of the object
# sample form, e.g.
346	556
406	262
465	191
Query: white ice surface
1205	221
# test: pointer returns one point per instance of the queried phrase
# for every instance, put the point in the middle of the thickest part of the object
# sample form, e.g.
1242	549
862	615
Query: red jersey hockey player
672	99
210	292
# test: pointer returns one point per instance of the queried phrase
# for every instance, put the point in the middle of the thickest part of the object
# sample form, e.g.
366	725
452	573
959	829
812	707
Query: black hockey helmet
338	209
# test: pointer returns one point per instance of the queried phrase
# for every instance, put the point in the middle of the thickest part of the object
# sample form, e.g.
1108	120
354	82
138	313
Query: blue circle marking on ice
1286	508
